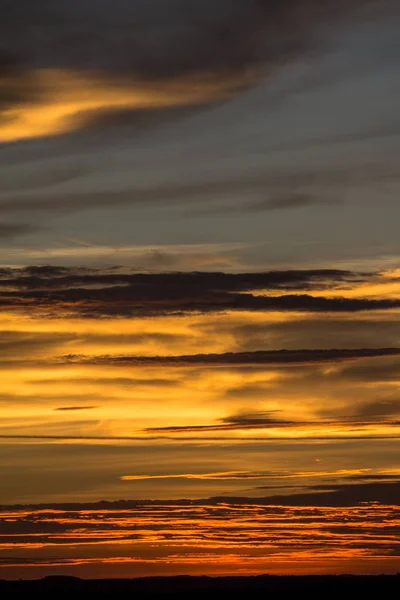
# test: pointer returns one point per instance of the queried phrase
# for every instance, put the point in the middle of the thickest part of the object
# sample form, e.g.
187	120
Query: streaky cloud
257	358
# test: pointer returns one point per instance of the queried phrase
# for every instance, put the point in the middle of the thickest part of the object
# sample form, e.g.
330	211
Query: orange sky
210	539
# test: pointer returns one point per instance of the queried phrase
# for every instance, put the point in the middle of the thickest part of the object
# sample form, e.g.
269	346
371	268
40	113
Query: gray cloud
380	408
290	200
388	371
145	38
280	185
340	331
159	40
10	231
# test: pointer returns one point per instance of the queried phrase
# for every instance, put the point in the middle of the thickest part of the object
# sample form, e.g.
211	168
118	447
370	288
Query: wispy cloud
232	475
9	231
257	358
75	408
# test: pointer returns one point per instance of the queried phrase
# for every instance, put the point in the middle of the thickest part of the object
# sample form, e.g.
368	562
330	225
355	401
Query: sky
199	287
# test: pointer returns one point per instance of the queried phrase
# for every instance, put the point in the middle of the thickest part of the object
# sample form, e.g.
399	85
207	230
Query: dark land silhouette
262	586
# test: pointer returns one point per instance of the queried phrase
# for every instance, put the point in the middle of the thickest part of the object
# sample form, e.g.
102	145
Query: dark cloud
260	420
9	231
264	421
28	344
342	495
379	371
341	332
112	382
323	495
290	200
359	479
232	43
374	477
380	408
125	302
159	39
261	357
44	271
48	401
121	293
293	200
135	121
48	276
73	408
31	346
248	390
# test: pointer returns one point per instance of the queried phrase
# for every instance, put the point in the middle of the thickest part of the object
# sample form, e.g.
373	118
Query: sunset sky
199	287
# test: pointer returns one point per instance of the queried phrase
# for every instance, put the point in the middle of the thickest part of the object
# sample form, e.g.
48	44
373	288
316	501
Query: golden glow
186	401
245	475
83	426
67	99
384	285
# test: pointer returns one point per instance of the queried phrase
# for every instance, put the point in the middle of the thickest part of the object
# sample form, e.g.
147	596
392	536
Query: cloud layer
118	292
339	526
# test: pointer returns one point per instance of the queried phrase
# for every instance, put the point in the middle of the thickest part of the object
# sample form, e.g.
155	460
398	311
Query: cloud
255	534
223	476
9	231
54	58
128	302
380	408
122	43
335	494
238	475
388	371
30	345
340	330
260	357
375	477
48	276
234	423
144	38
280	185
343	495
73	408
119	292
112	382
257	421
289	200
